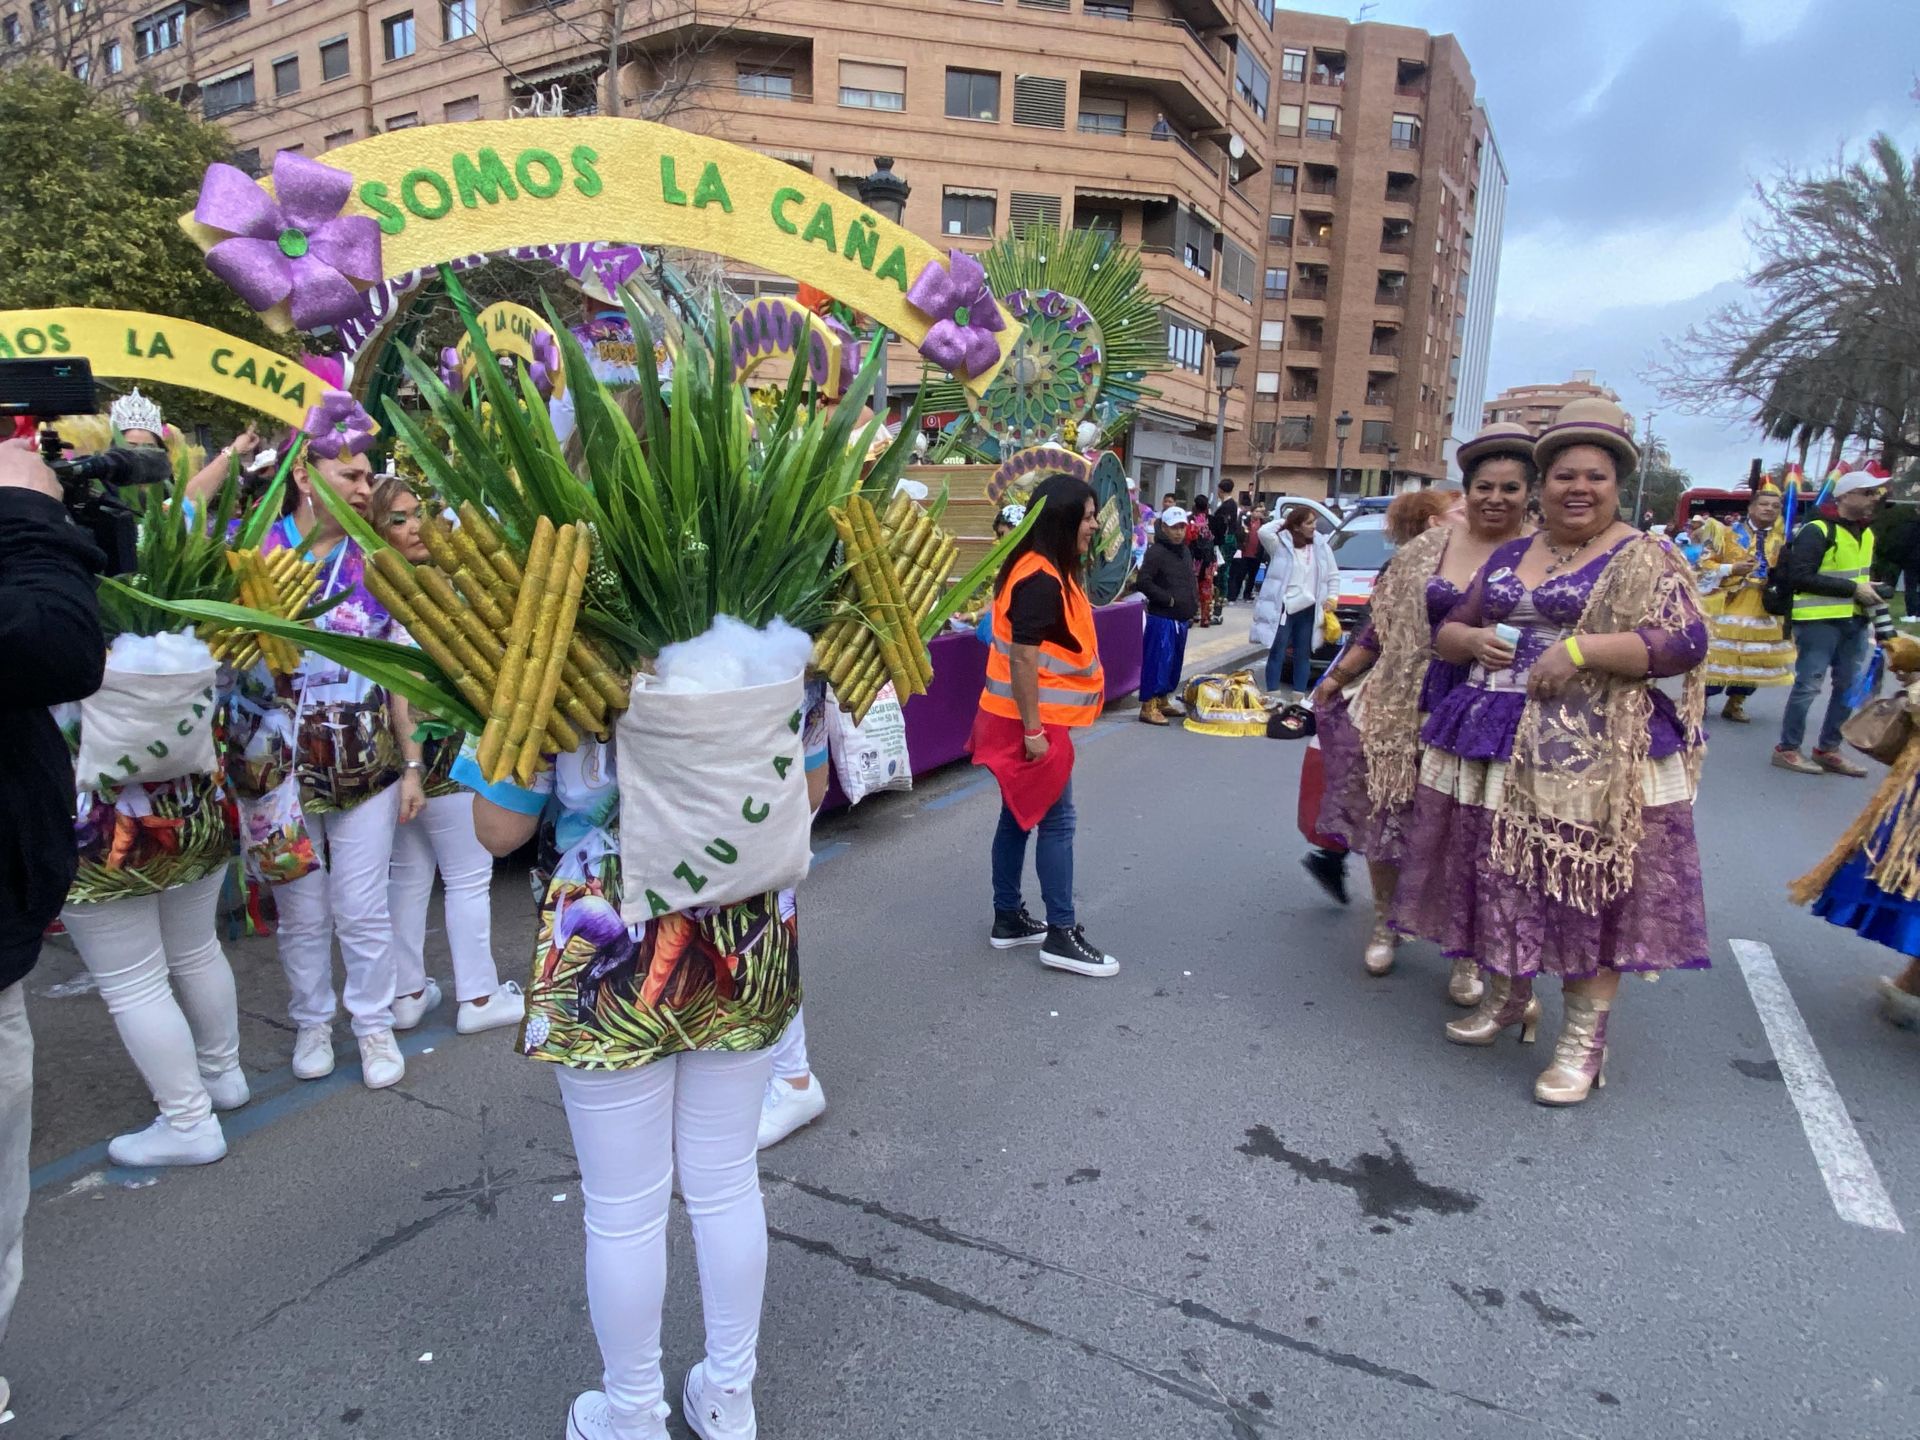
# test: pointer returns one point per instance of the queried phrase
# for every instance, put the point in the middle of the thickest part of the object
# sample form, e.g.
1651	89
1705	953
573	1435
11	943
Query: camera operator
54	651
1834	606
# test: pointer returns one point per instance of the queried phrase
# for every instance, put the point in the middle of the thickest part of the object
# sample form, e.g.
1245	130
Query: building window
765	83
159	32
1272	334
1286	120
1406	132
1267	382
967	212
1280	228
1375	436
1293	65
867	86
973	94
1102	116
1109	9
1103	218
222	12
1186	343
337	139
286	75
114	57
1286	178
1296	432
41	16
1040	100
459	18
248	160
10	30
397	31
333	59
1236	270
1265	7
404	122
82	68
465	109
1250	80
226	93
1276	282
1025	209
1323	121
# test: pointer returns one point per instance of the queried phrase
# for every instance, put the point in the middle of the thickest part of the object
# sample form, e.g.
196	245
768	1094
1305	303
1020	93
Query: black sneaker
1069	950
1012	928
1329	868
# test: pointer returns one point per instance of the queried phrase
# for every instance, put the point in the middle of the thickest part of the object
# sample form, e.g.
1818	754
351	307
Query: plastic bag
274	839
871	756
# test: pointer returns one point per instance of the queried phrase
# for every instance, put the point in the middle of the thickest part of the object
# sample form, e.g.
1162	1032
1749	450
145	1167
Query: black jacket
1166	578
51	650
1810	545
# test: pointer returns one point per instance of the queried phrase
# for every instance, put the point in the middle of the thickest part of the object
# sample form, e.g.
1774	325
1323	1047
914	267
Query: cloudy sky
1634	131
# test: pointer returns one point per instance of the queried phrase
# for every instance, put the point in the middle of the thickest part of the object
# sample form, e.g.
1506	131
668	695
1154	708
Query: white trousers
442	836
16	1138
790	1050
348	894
699	1112
145	948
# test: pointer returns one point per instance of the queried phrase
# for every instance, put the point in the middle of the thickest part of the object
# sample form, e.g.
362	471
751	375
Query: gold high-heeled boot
1579	1055
1464	985
1383	944
1504	1002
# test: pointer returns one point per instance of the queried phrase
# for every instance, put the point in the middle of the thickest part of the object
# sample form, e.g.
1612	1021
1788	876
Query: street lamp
1225	363
1342	427
1393	463
884	193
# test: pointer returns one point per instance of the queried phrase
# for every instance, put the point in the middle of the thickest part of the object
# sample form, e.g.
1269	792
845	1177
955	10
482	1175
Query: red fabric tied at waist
1029	787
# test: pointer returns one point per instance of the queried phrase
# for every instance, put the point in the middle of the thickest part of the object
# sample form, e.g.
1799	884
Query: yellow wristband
1573	649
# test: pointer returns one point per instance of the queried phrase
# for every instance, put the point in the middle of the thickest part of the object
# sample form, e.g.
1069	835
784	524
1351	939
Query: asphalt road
1240	1190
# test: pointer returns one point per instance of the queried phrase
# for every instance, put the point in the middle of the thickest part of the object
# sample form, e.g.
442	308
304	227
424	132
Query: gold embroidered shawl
1390	734
1569	822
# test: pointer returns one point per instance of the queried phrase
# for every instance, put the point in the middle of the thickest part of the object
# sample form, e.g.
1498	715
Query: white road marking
1852	1182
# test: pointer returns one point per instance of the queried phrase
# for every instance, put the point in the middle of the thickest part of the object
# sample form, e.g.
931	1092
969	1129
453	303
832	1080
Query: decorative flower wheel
1052	378
1019	473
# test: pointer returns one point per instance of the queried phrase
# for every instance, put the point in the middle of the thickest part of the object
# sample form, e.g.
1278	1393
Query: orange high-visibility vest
1073	688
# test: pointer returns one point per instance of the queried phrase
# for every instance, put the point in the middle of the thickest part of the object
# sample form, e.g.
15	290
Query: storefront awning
802	158
972	193
1136	197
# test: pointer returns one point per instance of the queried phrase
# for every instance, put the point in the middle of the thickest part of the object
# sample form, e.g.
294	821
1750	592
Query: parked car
1361	548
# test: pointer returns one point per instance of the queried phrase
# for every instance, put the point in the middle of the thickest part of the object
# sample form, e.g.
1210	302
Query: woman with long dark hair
1043	682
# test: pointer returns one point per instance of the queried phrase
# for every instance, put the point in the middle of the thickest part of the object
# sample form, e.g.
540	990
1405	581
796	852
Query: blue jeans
1052	860
1296	634
1839	646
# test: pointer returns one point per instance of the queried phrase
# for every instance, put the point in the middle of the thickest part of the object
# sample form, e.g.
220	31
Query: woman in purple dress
1370	704
1553	824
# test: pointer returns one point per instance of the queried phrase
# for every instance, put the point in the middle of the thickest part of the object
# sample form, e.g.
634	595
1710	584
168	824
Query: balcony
1390	294
1410	80
1380	394
1303	392
1207	14
1329	70
1308	338
1310	290
1402	189
1404	139
1320	180
1396	239
1386	343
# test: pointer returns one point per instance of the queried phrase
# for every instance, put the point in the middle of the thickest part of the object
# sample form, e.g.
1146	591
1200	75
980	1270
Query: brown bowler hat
1503	437
1589	422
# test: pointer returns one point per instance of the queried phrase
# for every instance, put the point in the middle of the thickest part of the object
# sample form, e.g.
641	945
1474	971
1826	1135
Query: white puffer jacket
1269	608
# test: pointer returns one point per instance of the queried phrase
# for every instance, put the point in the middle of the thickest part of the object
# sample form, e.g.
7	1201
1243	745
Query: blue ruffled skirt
1853	902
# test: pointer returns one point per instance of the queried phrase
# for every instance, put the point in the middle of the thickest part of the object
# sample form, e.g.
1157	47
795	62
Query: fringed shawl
1887	831
1390	736
1569	823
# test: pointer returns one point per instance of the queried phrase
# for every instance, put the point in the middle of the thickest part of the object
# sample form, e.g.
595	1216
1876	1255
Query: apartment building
1306	192
1537	406
1483	283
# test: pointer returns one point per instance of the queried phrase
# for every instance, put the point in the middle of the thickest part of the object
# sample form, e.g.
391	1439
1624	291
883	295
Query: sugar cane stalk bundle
278	584
897	570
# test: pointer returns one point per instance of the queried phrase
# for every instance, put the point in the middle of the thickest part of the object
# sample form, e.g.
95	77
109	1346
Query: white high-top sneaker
162	1143
716	1414
591	1418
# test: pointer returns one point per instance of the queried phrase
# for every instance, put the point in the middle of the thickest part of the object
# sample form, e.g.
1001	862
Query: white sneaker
313	1052
506	1006
228	1091
410	1010
785	1108
162	1143
380	1062
591	1418
716	1414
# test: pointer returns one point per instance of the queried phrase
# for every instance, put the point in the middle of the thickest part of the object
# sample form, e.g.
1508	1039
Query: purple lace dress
1452	894
1347	814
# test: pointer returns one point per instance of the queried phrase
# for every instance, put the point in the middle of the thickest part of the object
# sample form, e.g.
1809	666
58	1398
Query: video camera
44	390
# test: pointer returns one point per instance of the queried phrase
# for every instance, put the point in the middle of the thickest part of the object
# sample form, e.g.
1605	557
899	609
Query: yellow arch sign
510	329
132	345
441	192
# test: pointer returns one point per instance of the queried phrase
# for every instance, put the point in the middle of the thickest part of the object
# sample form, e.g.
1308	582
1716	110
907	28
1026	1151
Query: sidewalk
1223	647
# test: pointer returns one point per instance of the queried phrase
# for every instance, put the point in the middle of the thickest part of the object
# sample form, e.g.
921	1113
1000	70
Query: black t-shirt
1037	612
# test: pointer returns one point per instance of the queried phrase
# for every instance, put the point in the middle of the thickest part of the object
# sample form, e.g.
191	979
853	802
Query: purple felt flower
338	425
966	316
546	363
450	368
289	253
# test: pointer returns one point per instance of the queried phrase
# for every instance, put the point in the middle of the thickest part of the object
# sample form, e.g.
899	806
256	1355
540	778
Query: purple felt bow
338	425
966	316
291	246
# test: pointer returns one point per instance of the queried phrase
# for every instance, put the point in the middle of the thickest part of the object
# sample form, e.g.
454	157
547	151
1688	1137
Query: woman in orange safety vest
1043	682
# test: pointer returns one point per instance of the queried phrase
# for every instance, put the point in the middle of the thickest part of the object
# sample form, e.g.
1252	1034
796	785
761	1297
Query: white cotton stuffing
732	655
179	652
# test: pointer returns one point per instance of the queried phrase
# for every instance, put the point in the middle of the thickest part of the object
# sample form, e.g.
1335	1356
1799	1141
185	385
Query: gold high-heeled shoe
1504	1002
1579	1055
1464	985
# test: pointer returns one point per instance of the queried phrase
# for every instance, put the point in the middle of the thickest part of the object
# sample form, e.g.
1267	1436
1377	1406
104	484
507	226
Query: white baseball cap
1173	515
1854	480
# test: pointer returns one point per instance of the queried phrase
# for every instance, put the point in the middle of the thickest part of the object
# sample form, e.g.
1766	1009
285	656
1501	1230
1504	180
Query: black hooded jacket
1166	578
